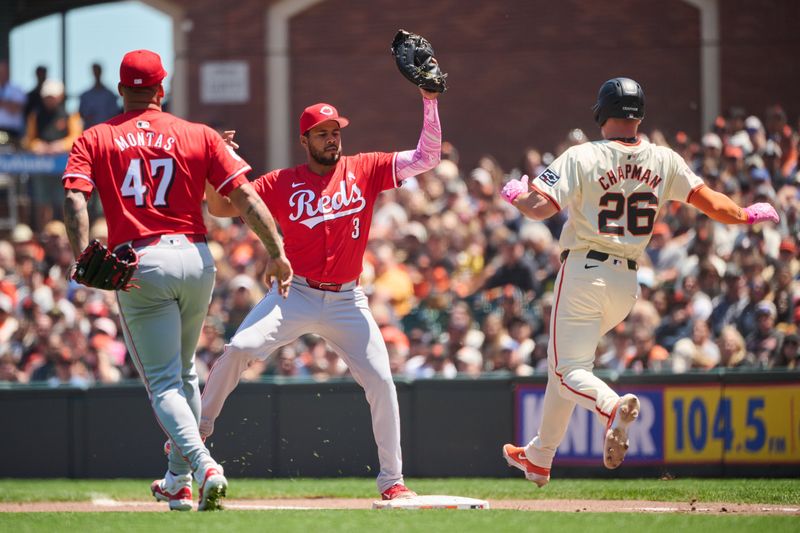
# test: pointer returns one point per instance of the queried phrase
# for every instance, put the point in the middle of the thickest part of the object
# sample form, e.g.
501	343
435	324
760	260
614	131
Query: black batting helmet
619	98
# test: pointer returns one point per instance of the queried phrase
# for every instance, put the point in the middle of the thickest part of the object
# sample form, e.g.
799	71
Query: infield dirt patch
587	506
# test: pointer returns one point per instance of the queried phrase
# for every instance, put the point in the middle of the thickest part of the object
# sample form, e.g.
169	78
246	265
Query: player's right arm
545	195
530	202
256	215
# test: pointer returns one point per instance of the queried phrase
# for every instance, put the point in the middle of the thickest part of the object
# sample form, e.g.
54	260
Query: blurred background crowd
459	283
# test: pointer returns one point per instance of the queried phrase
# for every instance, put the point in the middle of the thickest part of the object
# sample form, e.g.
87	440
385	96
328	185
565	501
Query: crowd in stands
460	284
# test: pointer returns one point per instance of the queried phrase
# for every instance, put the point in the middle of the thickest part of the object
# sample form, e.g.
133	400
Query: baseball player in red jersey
324	208
150	169
614	189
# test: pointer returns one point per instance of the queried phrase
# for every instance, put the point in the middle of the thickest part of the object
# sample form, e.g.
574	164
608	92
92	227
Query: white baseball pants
591	297
345	321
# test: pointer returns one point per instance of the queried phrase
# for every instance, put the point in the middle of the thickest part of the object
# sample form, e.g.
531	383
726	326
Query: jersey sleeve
380	166
684	181
78	174
265	187
558	183
227	170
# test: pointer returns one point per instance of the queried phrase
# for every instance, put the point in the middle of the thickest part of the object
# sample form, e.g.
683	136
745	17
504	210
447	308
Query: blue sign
26	163
583	442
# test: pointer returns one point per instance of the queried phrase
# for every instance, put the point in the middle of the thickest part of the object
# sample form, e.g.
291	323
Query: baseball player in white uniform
614	189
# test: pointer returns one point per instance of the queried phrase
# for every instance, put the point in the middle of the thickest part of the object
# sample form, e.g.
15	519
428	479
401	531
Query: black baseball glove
415	59
99	268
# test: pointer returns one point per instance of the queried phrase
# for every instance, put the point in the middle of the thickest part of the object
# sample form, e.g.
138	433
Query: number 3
132	185
356	228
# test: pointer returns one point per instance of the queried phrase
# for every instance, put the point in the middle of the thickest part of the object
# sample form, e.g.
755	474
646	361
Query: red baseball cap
316	114
141	68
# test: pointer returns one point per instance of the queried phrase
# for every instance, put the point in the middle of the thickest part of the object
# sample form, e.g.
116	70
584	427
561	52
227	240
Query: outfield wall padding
722	424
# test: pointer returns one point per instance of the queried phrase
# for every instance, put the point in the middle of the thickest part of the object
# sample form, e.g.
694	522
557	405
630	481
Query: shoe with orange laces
616	443
177	490
515	456
398	490
212	489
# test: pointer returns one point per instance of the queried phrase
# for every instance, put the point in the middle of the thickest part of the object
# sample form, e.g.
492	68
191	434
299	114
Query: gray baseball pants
161	322
345	321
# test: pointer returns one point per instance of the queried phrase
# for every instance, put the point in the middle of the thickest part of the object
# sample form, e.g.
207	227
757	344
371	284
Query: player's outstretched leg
515	456
616	442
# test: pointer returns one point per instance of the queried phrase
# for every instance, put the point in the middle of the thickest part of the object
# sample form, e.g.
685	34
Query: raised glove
760	212
415	59
99	268
514	188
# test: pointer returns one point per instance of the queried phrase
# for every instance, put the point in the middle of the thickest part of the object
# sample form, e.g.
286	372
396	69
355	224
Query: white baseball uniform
613	191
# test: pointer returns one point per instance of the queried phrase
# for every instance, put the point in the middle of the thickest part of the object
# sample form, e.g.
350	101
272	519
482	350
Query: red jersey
150	169
325	219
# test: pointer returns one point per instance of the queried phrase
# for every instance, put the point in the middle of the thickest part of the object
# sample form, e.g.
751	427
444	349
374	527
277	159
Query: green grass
391	521
775	491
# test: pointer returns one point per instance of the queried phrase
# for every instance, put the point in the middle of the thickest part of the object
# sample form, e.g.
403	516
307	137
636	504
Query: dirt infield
577	506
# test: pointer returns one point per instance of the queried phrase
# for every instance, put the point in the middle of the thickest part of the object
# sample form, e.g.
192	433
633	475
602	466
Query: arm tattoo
76	219
263	225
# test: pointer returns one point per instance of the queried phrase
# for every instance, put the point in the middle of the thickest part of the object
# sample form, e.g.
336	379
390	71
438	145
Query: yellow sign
732	424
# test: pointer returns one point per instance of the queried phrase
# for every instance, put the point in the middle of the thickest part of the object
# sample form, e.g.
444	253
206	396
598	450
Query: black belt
600	256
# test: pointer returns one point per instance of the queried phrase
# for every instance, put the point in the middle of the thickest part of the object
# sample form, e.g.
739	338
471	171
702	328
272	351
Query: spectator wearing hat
787	254
764	342
51	130
242	296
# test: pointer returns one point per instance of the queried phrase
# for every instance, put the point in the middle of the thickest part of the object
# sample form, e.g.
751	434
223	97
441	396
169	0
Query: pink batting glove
514	188
760	212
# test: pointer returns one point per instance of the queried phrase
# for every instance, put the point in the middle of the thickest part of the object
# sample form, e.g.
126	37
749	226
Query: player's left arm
429	147
722	209
688	187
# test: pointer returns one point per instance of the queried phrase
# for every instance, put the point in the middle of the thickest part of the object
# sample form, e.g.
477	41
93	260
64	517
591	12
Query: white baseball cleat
515	456
177	490
616	443
213	488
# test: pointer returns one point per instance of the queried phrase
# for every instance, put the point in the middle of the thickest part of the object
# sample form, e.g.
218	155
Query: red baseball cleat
616	444
515	456
398	490
178	493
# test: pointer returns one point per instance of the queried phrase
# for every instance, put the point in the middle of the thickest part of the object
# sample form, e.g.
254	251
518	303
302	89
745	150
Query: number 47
132	185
